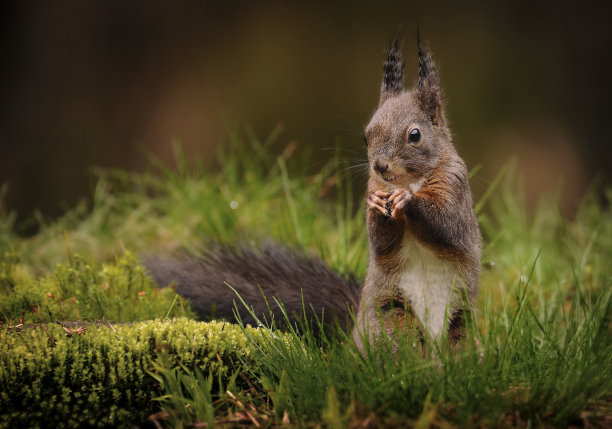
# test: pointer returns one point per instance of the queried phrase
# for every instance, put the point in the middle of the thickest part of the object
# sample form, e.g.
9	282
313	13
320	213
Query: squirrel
425	243
424	239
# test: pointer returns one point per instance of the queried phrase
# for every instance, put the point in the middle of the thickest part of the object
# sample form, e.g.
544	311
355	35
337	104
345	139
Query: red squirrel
425	243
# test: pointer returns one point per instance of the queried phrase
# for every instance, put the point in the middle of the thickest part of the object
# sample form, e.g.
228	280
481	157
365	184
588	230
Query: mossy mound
97	374
118	290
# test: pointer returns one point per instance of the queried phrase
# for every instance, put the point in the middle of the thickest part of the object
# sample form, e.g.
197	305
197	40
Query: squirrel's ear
429	93
393	74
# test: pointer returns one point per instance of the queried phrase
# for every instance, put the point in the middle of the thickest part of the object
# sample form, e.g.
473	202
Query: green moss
117	291
50	377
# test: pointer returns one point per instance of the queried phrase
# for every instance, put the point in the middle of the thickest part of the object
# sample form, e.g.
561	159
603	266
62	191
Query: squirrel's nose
381	167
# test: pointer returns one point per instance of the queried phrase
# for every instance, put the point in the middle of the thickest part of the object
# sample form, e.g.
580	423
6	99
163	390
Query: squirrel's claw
383	195
376	203
398	200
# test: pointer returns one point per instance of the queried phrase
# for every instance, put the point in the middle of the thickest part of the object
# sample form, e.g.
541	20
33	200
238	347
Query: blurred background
105	83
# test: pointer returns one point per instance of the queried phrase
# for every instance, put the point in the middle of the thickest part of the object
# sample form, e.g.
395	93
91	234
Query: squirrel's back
258	275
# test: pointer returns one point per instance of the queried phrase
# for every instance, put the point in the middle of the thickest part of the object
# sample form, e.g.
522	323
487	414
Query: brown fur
456	326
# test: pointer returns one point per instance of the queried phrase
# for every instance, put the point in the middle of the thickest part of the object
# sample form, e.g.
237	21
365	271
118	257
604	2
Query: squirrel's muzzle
380	167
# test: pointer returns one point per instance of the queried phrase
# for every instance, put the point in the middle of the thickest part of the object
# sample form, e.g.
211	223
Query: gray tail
303	284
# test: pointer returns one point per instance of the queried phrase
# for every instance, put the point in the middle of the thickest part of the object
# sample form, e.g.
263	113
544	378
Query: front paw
398	199
378	201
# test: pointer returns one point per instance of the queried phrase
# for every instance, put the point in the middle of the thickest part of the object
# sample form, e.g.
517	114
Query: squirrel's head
408	132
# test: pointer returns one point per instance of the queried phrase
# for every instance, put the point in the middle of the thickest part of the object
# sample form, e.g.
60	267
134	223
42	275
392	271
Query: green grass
543	320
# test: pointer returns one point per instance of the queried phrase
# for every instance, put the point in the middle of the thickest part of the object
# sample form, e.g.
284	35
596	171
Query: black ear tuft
429	93
424	64
393	73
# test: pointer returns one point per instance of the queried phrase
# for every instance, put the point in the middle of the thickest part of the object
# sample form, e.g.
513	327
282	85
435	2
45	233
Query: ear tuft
393	73
429	92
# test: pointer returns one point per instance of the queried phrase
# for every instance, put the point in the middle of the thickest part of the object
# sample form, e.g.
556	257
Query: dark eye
415	136
365	140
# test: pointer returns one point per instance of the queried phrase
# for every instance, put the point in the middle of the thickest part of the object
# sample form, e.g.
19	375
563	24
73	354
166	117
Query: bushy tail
272	271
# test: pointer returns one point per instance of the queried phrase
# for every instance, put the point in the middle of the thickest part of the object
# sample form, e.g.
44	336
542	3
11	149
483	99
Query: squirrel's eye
365	140
415	136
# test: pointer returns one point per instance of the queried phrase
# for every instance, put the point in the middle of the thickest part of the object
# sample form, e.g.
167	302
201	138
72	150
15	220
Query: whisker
341	150
362	169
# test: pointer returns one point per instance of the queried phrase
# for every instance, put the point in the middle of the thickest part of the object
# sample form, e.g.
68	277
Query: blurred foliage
92	84
255	196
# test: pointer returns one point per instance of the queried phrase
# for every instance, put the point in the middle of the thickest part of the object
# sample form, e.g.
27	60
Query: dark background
104	83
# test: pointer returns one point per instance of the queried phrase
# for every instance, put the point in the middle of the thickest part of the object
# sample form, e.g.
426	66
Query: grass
543	323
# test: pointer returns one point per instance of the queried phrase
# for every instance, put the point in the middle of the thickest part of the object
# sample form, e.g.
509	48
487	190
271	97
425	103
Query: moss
100	377
118	291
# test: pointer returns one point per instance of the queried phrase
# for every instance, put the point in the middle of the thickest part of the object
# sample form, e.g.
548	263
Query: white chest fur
426	281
